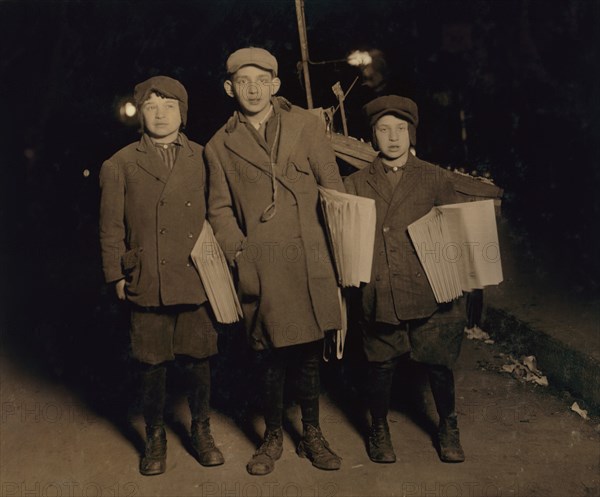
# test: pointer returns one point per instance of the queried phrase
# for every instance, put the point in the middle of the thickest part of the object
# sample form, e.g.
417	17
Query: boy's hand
120	289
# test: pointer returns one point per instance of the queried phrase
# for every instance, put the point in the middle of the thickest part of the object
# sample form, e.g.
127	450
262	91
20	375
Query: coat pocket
132	269
130	259
296	171
248	280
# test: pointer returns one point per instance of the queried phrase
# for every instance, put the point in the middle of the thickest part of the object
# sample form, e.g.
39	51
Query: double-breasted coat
150	218
285	274
399	292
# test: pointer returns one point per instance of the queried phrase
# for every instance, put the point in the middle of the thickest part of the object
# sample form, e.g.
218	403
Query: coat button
386	229
418	275
188	264
190	235
163	261
188	204
377	278
163	231
161	203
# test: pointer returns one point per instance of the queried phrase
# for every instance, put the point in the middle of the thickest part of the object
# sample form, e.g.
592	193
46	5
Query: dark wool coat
150	219
286	279
399	289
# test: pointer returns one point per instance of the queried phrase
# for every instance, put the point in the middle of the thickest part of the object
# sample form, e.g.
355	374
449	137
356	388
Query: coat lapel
150	161
379	182
241	142
407	184
290	133
184	166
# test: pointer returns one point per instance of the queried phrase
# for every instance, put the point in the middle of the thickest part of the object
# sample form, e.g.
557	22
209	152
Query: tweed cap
165	86
251	56
402	107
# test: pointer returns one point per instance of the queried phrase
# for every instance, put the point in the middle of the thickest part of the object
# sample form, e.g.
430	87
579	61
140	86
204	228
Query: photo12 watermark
45	412
267	489
68	489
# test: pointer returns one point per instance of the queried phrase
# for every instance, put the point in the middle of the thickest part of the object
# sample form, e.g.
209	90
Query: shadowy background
522	74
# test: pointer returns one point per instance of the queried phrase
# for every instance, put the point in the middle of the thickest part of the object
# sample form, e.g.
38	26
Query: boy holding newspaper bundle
400	315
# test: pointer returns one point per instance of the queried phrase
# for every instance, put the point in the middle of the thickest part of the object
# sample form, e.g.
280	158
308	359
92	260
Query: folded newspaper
212	266
350	222
458	247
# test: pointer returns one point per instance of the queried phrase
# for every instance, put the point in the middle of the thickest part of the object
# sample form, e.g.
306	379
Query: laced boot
204	444
263	460
380	442
154	461
449	440
314	447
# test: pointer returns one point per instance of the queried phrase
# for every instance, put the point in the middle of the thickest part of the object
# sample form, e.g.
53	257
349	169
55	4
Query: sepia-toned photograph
300	248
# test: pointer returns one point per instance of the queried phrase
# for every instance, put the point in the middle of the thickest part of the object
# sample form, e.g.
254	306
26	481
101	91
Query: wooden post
304	50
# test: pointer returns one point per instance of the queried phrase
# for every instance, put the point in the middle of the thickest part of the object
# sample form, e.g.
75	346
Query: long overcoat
399	290
150	218
286	279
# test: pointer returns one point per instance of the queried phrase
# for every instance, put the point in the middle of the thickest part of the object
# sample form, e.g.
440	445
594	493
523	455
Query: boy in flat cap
400	313
151	212
264	168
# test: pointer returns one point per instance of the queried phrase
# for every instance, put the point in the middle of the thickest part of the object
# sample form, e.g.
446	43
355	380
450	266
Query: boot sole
153	472
210	464
206	464
383	461
302	453
143	473
452	461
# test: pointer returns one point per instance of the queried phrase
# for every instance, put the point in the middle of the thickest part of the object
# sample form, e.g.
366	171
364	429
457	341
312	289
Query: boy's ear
374	143
228	85
275	85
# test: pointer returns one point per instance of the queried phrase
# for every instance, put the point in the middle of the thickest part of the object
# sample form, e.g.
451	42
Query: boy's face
392	137
162	118
253	88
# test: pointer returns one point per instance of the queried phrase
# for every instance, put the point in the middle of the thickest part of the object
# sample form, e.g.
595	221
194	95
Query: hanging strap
271	209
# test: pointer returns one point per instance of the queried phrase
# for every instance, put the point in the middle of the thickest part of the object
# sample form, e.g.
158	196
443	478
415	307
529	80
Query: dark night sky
524	72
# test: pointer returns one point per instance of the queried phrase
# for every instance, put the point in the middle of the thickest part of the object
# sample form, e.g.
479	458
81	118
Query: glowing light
130	109
86	173
127	111
358	58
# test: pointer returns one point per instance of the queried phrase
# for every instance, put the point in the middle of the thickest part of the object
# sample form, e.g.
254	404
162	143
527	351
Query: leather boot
204	445
449	440
314	447
380	442
263	460
154	461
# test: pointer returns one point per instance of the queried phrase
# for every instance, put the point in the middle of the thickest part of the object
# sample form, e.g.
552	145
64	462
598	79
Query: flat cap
251	56
165	86
403	107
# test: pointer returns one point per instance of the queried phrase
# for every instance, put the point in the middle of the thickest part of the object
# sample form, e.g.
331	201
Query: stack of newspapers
212	266
350	222
457	245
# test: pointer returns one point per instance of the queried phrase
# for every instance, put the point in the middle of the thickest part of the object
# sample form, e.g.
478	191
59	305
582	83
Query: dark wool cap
402	107
166	87
251	56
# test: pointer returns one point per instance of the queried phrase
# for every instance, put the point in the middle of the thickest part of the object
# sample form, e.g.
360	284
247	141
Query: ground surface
520	440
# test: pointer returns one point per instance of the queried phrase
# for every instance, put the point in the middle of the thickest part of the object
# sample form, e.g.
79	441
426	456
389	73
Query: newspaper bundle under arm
350	222
350	225
458	247
214	272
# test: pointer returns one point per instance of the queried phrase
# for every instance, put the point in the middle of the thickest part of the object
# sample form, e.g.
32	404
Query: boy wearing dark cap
400	313
264	167
151	212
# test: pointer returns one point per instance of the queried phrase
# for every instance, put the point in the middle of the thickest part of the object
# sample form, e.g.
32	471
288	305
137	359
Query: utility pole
304	50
